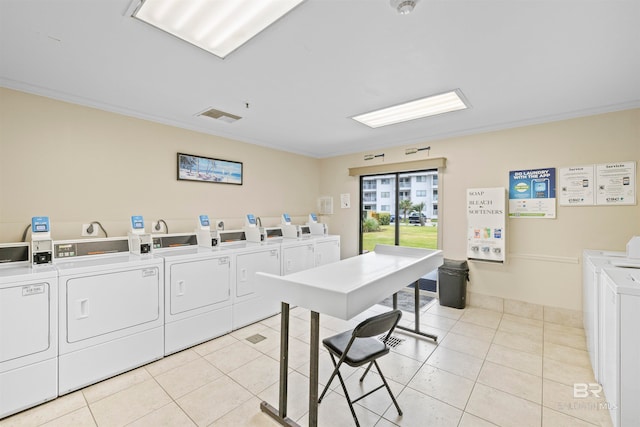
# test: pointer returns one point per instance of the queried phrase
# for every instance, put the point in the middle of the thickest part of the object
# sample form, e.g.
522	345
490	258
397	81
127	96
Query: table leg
313	369
284	359
416	312
280	414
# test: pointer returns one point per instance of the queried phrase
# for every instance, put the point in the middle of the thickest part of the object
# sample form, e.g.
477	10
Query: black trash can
452	283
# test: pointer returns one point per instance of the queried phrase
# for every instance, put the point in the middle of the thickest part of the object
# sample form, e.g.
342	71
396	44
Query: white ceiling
517	63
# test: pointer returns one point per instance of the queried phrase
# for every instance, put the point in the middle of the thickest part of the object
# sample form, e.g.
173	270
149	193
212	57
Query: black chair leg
388	388
366	372
333	374
346	394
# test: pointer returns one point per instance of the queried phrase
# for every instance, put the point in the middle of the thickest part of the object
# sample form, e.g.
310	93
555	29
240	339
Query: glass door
401	209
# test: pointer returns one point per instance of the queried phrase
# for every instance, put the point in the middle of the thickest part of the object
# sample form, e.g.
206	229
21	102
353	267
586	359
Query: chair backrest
376	325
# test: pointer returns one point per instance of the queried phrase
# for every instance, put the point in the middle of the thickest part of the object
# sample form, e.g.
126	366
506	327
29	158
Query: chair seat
363	350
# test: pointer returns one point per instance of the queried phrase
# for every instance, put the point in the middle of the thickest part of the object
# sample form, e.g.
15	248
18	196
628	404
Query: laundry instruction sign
532	193
486	209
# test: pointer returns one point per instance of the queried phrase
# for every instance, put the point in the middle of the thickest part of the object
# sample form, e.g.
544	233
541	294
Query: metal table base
280	414
416	311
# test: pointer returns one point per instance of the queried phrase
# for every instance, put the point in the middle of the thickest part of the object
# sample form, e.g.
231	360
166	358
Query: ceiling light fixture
220	26
425	107
404	7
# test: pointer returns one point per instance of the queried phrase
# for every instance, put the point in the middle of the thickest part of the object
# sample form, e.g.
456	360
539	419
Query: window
407	221
413	221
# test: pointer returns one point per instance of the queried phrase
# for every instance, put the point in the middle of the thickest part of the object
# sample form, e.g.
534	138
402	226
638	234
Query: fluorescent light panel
217	26
425	107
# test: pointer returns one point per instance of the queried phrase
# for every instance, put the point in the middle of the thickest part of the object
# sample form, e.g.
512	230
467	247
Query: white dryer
297	255
250	302
28	331
197	291
327	249
111	310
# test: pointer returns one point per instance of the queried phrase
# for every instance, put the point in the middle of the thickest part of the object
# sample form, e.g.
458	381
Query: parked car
414	218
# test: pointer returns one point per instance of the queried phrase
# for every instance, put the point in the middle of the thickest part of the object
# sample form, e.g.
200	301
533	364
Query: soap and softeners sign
486	224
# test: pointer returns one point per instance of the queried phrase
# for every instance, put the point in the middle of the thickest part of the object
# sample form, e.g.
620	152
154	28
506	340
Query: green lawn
413	236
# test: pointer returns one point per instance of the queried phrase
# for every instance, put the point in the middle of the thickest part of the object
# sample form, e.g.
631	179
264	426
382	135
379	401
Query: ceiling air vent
221	116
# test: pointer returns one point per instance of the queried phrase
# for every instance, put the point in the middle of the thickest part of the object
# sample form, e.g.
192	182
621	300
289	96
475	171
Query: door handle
83	308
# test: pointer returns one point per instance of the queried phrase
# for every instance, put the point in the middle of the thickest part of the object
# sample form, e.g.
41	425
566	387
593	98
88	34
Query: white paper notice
616	183
577	186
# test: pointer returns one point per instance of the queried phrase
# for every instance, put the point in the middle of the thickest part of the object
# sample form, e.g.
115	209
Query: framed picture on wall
206	169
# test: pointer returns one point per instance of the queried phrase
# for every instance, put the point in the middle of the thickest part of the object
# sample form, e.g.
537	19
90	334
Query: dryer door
298	258
24	320
200	283
247	265
112	301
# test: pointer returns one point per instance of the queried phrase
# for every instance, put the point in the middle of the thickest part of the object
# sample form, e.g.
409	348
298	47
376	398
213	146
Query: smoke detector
404	6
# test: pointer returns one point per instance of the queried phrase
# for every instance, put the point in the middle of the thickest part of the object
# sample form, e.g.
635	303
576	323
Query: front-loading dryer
28	331
111	310
251	302
197	291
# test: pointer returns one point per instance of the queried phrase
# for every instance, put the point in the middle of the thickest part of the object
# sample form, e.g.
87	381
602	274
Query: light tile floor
489	368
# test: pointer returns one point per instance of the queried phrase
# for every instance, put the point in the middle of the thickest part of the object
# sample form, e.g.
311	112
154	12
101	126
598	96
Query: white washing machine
111	310
28	331
621	356
592	264
197	291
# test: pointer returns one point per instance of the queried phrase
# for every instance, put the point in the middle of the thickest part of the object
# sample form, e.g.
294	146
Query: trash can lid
455	264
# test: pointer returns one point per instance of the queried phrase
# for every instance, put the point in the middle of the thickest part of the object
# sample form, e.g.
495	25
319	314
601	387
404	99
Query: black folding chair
360	346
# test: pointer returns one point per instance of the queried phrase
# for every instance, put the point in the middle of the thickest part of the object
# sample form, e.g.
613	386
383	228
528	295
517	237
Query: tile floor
489	368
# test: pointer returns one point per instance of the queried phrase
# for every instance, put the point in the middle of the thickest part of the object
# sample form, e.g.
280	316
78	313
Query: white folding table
342	289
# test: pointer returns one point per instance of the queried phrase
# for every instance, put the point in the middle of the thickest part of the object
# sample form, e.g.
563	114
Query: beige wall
544	255
78	164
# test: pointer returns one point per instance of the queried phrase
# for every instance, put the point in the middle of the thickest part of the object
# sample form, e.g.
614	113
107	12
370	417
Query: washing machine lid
625	280
607	261
626	262
602	253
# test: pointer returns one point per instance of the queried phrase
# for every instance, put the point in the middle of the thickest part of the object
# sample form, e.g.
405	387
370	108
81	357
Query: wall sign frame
486	224
207	169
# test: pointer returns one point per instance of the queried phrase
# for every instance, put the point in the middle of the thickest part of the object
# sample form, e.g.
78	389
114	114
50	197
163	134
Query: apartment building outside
378	192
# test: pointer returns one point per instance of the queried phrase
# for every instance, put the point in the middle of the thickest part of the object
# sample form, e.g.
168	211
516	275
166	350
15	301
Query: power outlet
161	228
86	233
